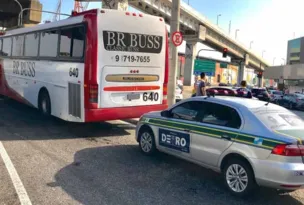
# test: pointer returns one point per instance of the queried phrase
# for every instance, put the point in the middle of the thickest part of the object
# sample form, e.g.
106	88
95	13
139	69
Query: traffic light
260	74
225	51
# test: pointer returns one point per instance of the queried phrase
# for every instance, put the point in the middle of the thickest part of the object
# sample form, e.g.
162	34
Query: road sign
223	65
206	73
206	66
177	38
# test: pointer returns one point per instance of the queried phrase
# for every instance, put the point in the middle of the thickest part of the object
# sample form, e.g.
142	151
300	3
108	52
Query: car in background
242	92
275	95
292	101
221	133
261	94
222	91
178	93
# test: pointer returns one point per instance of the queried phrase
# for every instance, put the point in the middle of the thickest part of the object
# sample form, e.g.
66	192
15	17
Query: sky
268	23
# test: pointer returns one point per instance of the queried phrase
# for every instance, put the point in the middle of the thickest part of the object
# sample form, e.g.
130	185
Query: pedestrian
244	88
181	78
201	88
196	83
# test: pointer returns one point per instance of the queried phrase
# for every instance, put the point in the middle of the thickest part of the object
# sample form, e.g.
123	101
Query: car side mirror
165	113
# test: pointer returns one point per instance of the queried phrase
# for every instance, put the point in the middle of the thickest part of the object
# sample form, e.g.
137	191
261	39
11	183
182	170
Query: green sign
206	66
223	65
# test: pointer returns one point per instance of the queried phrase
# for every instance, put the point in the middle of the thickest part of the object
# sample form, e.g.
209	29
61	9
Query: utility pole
229	27
174	26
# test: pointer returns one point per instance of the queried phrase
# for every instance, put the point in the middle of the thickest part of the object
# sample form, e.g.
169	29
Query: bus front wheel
44	103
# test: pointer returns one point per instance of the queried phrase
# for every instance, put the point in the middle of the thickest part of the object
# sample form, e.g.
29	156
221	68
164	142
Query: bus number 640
151	96
74	72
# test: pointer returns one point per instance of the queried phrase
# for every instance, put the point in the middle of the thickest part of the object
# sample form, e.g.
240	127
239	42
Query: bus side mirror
165	113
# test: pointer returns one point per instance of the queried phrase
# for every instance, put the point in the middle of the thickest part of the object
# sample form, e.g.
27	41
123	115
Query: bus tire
44	102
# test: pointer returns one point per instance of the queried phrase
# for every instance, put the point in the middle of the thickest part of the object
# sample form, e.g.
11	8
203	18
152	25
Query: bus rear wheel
45	103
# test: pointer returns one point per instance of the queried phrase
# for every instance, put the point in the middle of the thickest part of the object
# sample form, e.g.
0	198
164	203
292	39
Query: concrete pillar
174	26
115	4
241	72
260	82
190	56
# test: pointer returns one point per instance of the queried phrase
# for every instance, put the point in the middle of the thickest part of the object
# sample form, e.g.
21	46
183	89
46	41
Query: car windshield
277	119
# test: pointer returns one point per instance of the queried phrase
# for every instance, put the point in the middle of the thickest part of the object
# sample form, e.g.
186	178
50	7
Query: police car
252	143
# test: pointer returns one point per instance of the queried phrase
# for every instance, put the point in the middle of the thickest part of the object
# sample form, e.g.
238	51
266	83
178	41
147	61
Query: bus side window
31	45
18	45
6	47
49	43
72	42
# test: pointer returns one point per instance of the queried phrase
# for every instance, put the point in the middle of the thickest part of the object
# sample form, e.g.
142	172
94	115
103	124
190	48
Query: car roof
240	102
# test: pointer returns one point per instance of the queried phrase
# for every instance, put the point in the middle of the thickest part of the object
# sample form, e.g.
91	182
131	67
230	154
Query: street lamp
283	61
250	44
229	26
263	53
273	60
20	9
236	32
217	18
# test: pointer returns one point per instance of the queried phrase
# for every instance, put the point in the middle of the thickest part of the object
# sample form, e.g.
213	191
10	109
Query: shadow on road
28	123
123	175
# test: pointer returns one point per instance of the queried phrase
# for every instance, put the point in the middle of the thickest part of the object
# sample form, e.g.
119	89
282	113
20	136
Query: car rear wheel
147	142
239	177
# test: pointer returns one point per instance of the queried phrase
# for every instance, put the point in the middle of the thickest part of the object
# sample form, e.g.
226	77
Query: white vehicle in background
275	95
89	67
178	94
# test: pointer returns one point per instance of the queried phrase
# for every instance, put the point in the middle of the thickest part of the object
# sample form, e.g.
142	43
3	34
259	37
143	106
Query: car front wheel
239	177
147	142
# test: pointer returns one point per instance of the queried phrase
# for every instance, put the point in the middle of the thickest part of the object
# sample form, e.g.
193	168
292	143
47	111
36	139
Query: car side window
190	111
221	115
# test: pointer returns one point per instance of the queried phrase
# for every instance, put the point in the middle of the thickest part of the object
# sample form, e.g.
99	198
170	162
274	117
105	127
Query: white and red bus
94	66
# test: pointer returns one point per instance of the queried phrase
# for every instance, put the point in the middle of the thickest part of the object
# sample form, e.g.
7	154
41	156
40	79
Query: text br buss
88	67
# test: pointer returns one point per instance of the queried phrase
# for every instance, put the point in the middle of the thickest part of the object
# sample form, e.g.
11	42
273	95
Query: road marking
22	194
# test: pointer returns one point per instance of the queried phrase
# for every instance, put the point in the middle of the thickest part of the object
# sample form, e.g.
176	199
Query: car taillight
288	150
93	91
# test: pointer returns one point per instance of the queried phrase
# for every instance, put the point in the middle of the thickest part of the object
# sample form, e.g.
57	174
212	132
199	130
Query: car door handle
226	137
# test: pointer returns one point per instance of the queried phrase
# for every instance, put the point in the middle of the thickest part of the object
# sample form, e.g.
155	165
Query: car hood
152	114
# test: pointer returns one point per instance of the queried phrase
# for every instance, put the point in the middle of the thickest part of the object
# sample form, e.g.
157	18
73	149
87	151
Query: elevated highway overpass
10	9
196	28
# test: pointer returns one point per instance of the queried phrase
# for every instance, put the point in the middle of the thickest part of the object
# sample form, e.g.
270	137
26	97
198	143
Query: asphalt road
69	163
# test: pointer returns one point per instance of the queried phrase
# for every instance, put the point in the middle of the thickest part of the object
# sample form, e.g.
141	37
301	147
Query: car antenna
268	102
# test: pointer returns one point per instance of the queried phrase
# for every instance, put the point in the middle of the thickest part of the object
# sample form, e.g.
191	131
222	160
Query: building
295	51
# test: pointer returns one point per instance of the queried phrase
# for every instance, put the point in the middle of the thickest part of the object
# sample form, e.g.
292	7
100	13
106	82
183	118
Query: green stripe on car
244	138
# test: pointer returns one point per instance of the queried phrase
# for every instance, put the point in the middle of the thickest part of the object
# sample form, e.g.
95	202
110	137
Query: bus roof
78	18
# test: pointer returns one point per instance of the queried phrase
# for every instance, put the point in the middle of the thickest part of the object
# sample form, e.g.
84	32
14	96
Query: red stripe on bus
131	88
6	90
91	52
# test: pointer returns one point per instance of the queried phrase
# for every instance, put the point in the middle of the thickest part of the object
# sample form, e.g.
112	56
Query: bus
96	65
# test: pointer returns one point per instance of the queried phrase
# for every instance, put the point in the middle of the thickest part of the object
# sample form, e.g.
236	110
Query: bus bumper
119	113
